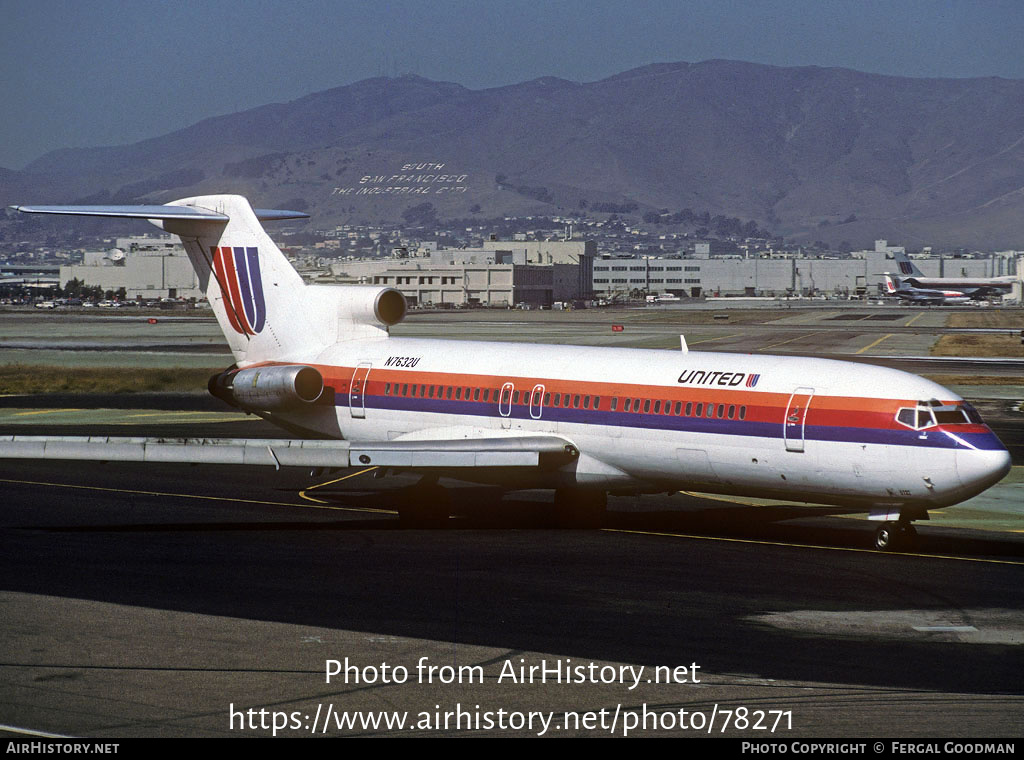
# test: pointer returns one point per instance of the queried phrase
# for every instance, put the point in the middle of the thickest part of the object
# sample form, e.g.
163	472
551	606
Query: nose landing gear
896	536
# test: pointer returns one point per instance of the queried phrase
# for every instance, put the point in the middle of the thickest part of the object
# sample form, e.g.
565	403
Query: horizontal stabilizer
191	213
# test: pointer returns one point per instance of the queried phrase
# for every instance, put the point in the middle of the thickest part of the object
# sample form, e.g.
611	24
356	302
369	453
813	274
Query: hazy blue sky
105	72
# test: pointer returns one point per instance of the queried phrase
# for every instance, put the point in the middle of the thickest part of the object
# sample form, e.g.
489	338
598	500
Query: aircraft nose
979	469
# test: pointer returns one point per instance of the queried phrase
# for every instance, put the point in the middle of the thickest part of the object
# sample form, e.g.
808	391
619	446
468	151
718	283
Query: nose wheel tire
894	536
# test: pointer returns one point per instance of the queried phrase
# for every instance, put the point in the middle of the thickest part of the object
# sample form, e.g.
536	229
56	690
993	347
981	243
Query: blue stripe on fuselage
933	438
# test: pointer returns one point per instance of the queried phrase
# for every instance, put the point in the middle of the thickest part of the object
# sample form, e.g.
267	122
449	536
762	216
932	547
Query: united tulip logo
238	272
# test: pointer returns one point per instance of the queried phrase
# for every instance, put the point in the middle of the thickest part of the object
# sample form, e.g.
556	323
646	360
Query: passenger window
732	411
558	399
721	411
710	411
689	408
657	407
547	399
476	394
679	407
597	402
627	404
615	403
647	405
699	411
586	402
743	412
576	402
515	396
405	389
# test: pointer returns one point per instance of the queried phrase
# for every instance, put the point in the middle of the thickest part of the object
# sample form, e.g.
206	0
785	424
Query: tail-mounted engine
366	305
269	389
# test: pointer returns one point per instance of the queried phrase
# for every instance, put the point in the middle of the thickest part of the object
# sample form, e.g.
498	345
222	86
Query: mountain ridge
812	152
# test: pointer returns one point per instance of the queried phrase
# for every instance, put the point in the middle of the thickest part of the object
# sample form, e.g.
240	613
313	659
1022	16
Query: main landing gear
895	536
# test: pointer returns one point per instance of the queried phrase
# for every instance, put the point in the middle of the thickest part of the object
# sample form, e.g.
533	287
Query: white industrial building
862	274
499	274
145	266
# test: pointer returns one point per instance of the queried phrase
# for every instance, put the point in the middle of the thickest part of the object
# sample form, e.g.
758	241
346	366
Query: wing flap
271	451
525	451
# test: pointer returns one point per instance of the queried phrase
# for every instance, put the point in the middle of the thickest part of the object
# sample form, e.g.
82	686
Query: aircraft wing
507	451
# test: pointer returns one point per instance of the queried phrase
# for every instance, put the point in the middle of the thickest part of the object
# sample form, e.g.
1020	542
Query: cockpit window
927	414
972	413
907	417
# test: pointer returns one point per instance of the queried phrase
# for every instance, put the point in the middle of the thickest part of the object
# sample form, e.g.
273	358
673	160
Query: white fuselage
787	427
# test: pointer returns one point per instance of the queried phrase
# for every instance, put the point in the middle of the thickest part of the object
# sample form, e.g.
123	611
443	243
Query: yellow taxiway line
320	505
874	343
336	480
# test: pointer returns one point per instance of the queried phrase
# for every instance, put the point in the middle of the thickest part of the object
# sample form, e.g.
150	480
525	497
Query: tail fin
256	295
907	267
890	286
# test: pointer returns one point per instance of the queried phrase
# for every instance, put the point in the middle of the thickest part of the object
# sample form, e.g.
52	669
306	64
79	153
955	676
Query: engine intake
384	306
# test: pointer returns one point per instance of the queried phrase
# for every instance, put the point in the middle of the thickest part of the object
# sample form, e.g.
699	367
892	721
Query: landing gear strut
895	536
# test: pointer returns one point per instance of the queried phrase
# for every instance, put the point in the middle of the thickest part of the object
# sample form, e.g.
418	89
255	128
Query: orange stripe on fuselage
762	406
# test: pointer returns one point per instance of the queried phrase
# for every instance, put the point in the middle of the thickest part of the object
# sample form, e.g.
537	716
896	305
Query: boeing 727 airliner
319	361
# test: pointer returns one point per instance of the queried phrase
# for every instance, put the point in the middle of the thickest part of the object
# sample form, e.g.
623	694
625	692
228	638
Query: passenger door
796	417
357	391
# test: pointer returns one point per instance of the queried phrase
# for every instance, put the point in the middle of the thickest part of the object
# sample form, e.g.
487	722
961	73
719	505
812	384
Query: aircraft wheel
577	508
426	506
887	537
